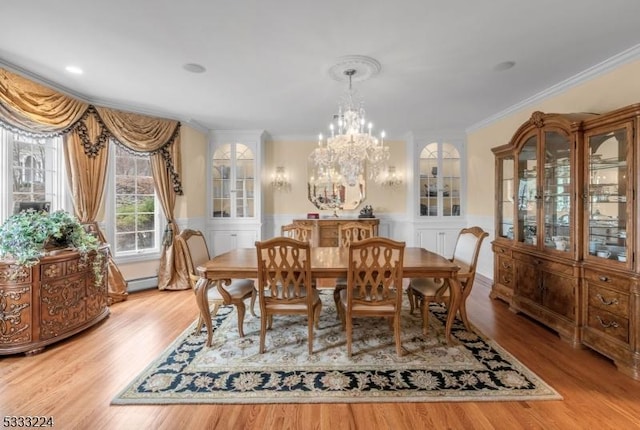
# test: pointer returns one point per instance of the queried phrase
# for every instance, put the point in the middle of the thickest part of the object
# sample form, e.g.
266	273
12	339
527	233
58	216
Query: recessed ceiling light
194	68
505	65
74	69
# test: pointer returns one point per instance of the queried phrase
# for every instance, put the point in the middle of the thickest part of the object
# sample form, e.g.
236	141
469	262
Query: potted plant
27	236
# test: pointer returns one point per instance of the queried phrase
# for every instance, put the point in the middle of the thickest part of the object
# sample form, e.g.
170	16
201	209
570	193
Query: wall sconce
280	180
392	179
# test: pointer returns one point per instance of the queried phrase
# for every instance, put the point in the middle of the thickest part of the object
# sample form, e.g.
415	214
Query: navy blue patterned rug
474	368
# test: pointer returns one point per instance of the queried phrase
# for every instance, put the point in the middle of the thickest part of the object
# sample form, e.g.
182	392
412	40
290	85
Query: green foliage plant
26	237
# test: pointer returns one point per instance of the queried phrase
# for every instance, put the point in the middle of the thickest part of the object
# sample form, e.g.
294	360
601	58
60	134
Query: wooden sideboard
325	231
58	297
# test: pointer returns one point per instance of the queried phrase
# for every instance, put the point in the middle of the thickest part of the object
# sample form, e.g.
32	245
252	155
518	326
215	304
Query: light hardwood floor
75	380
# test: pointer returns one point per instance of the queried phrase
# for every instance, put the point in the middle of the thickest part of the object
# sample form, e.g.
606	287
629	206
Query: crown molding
599	69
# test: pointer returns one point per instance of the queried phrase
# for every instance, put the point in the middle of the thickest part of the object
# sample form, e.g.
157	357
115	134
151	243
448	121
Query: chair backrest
375	272
196	251
351	232
301	232
284	271
468	248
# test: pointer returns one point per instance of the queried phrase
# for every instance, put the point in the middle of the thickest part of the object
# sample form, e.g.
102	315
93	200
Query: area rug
473	368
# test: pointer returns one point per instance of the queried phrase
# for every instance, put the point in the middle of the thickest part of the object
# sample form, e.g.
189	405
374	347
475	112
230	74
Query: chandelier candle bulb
347	151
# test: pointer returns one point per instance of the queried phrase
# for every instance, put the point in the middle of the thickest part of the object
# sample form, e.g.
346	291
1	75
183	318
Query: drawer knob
606	324
605	301
603	278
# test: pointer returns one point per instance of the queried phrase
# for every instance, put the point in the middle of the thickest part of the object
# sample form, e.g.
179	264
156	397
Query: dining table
326	262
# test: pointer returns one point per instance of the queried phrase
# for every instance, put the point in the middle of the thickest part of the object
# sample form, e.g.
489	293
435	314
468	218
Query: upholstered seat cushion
361	307
428	286
238	289
293	306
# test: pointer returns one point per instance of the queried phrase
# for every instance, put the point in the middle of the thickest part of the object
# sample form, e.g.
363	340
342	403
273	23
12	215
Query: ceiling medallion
351	144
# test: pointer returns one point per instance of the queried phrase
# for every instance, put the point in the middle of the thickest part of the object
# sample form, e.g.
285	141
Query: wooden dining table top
326	262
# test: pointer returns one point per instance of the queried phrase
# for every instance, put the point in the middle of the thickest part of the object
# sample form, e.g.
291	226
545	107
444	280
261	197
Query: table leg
202	286
454	304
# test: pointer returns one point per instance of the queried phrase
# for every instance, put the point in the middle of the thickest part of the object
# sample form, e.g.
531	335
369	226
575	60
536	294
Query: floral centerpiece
27	236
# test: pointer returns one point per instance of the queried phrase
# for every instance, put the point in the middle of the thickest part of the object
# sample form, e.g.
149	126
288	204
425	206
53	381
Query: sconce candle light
392	179
280	180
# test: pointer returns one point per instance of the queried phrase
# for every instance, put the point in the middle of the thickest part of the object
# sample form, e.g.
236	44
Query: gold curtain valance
30	108
33	109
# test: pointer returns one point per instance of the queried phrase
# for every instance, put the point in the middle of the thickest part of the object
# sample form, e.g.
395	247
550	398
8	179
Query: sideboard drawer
505	270
612	281
609	300
608	323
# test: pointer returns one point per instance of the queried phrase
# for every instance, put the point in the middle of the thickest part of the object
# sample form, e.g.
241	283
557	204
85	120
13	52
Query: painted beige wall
293	157
193	204
615	89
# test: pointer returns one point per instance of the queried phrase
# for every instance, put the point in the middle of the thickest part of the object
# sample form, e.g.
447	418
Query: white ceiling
267	61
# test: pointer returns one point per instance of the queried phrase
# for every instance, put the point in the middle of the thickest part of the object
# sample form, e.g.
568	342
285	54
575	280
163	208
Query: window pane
33	169
135	209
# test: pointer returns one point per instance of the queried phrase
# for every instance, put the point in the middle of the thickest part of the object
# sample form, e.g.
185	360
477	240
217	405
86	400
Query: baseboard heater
142	284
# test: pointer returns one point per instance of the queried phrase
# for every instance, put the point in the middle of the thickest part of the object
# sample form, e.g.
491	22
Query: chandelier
351	144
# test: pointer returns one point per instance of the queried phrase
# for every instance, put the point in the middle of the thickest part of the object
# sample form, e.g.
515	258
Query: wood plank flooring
75	380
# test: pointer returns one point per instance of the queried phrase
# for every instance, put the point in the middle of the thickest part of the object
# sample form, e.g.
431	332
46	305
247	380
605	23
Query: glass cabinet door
506	199
440	180
557	191
527	192
607	194
221	177
233	181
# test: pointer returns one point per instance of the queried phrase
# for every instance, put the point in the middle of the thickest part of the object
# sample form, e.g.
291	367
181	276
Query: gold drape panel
28	106
86	175
161	139
31	108
173	273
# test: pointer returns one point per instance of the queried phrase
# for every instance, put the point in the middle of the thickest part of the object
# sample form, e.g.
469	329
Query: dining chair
422	291
285	284
348	233
233	292
301	232
374	285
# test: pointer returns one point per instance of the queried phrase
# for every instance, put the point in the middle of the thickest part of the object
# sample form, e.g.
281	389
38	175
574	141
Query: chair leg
263	331
336	299
310	332
317	310
199	325
241	310
411	297
396	333
349	330
424	309
463	314
253	302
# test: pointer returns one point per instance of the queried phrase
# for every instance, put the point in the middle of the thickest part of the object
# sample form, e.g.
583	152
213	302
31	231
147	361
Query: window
135	208
33	169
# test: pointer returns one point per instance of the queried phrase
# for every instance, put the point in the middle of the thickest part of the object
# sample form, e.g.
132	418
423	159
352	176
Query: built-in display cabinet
437	195
565	247
235	204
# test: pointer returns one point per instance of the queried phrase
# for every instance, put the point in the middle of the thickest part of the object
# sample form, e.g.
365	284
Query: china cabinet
564	251
235	206
64	294
611	305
